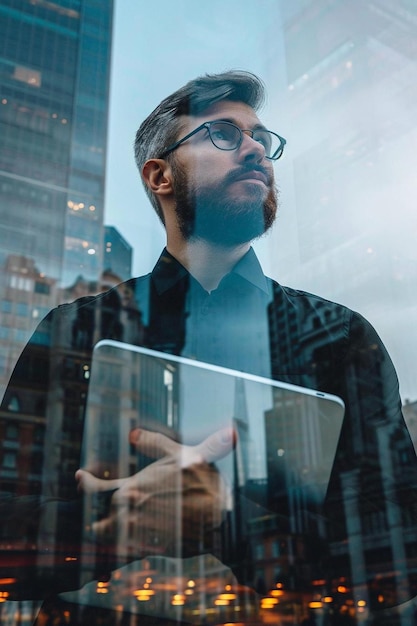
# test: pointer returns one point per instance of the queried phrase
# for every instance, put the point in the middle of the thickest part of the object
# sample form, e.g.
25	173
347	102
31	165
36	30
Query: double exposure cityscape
274	558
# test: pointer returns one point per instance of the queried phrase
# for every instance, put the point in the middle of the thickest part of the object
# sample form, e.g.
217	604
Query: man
207	164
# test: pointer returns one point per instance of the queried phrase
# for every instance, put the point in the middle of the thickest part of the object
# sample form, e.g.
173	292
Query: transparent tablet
276	474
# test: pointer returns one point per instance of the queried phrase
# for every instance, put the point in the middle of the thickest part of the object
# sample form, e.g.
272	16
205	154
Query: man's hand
170	507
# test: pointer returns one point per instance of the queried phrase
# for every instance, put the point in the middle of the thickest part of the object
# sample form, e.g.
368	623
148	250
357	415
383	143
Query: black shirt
252	324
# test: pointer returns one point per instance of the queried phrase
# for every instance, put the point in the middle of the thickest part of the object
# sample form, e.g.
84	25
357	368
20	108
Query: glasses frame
279	151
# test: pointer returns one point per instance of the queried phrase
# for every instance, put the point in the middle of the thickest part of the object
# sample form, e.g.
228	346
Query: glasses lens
225	136
270	141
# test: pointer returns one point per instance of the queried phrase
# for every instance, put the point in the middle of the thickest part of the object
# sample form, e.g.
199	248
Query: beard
206	214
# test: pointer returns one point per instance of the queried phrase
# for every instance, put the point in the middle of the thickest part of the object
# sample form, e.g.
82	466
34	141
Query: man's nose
251	149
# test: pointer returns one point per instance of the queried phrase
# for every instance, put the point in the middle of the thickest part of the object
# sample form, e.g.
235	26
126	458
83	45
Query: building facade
117	254
54	85
54	93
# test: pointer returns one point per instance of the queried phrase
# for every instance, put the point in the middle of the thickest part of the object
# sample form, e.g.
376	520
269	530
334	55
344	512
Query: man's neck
207	262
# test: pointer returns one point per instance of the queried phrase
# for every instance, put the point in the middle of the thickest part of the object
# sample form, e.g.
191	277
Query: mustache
247	169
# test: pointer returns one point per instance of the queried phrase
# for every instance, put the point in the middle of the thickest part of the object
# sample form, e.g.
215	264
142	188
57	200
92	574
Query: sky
155	51
158	48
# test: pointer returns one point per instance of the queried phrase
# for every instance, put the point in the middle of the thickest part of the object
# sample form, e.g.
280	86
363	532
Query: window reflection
52	163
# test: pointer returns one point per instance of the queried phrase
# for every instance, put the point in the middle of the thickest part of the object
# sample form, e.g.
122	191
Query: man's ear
157	175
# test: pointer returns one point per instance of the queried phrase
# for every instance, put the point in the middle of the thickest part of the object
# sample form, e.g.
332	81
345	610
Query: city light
143	595
315	604
102	587
269	603
8	581
178	599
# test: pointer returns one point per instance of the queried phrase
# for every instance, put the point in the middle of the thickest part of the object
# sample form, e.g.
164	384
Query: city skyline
340	79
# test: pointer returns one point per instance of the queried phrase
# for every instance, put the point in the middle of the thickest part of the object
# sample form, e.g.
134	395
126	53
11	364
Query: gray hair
160	128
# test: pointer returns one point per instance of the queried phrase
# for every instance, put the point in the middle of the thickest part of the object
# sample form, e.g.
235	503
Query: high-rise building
117	254
351	71
54	91
351	68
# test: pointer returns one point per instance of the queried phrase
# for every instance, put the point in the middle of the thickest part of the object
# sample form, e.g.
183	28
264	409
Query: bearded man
206	161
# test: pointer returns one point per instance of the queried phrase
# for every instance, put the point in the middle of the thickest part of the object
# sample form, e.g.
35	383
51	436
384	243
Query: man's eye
219	134
224	133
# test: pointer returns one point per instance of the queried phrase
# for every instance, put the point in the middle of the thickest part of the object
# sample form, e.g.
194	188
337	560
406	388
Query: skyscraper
117	254
351	72
54	86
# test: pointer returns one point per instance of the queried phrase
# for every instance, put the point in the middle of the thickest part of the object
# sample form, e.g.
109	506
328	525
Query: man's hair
161	127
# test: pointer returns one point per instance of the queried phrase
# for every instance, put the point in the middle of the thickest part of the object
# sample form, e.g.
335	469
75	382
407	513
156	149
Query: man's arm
372	500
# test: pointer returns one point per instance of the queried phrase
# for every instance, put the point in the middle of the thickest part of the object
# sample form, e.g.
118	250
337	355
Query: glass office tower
54	83
117	254
351	72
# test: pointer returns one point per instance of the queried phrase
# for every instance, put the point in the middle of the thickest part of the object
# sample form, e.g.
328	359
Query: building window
276	549
27	75
12	431
22	309
9	460
21	335
18	282
259	551
277	574
38	434
43	288
14	404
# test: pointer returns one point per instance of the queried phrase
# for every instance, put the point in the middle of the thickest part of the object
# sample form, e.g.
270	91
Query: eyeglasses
228	136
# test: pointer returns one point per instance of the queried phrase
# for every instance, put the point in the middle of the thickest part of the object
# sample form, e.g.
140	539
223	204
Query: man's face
225	197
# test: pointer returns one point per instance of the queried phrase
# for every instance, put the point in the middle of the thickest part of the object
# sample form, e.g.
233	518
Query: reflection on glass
277	475
349	107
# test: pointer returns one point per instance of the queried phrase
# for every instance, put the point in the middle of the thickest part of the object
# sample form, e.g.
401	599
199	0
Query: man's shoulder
84	321
315	316
301	298
117	295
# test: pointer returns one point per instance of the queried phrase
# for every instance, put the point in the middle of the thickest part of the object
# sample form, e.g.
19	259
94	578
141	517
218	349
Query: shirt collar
168	271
